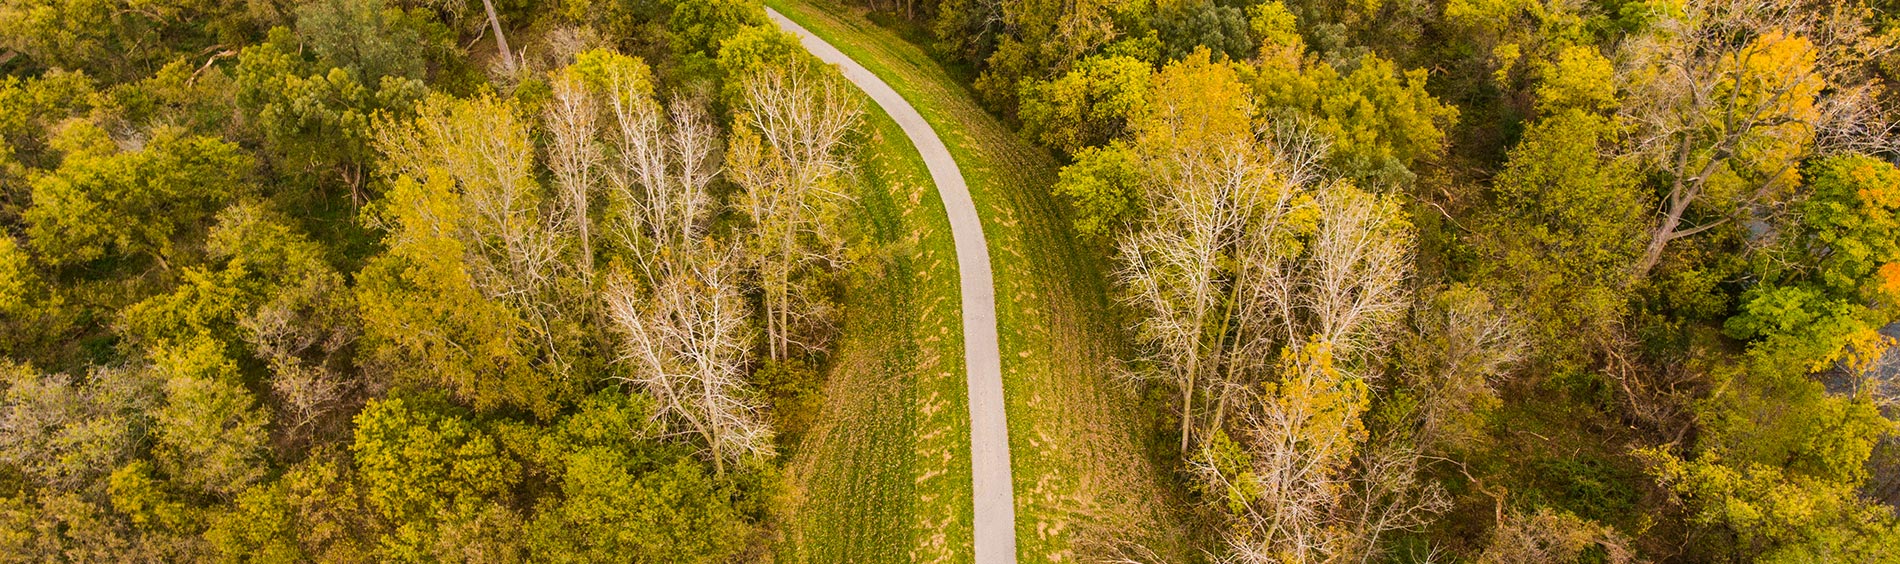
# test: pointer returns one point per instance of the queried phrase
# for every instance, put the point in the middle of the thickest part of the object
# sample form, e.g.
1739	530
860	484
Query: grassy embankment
1077	436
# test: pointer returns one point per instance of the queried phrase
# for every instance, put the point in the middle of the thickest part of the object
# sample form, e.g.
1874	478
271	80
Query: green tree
104	202
626	498
750	50
114	40
700	26
433	475
1091	104
1102	186
1568	230
373	39
1779	467
313	513
315	121
1378	119
1038	39
1835	279
210	434
1185	26
17	278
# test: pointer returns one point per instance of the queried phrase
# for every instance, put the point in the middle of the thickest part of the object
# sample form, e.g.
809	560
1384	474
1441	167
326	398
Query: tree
372	39
316	120
1552	536
1568	230
625	496
105	202
750	50
574	157
424	318
1185	26
501	39
1459	346
487	232
700	25
1242	246
1091	104
1033	40
1378	120
432	475
786	160
1209	185
1102	187
686	342
210	435
1292	493
304	324
16	277
1727	97
109	40
661	164
68	433
1824	292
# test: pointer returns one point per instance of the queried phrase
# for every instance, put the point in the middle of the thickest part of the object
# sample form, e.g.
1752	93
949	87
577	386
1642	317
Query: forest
1411	281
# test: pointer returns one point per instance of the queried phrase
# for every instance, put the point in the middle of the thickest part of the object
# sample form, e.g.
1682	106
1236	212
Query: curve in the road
995	506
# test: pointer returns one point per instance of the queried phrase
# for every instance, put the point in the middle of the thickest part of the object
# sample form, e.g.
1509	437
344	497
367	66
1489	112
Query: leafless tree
660	169
1356	268
305	334
1728	96
1254	272
1388	495
1177	270
787	160
686	337
1290	489
574	156
1550	537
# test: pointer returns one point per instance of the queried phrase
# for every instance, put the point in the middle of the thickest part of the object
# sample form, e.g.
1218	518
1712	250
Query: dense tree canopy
523	280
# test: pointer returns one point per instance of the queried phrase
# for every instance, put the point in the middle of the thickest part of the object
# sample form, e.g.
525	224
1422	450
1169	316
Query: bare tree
305	335
574	156
686	337
1551	537
787	160
1286	495
660	168
1178	267
1354	275
1273	287
1728	96
1389	495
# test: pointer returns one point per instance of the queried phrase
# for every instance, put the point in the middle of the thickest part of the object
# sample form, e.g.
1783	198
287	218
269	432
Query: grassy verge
884	475
1085	485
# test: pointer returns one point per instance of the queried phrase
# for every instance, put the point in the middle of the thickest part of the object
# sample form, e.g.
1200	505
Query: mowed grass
884	474
1085	484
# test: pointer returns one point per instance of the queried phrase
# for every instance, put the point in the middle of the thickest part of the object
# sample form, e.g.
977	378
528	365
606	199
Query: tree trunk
1187	411
501	41
1657	242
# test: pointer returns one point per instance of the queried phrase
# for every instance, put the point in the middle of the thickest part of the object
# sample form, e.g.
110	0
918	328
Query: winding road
995	506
